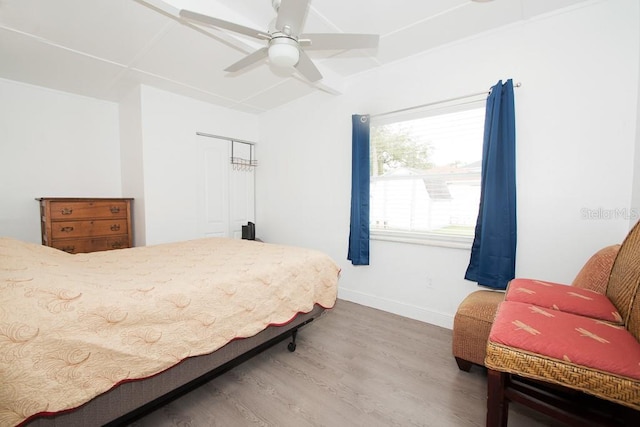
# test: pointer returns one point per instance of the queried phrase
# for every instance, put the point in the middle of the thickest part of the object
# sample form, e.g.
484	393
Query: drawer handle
115	209
66	211
69	249
115	227
66	229
116	245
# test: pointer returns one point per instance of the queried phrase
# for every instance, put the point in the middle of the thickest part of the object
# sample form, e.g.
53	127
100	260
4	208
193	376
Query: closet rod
208	135
471	95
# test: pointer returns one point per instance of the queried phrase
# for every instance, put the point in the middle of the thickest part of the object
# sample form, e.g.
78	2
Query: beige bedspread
73	326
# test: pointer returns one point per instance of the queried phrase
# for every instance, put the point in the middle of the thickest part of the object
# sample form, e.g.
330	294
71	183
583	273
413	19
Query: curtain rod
209	135
457	98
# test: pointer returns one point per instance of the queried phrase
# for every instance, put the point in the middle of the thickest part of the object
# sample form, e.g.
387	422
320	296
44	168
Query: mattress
73	327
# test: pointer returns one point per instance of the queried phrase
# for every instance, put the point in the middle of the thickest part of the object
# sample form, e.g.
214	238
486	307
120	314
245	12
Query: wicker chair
533	359
475	314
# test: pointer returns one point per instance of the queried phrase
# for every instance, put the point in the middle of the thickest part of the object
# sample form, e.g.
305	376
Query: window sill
427	239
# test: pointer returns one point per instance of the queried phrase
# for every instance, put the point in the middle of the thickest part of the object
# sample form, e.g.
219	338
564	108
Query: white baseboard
399	308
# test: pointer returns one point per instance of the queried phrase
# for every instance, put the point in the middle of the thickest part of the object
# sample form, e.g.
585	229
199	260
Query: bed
98	338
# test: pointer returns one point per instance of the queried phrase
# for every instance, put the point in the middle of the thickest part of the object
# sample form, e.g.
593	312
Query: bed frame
131	400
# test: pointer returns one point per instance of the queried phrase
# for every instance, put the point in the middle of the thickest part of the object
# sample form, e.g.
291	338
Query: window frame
426	237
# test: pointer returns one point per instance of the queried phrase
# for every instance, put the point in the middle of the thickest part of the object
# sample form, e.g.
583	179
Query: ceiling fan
286	44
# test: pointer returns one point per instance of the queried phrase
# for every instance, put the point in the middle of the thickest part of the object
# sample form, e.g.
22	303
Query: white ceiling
104	48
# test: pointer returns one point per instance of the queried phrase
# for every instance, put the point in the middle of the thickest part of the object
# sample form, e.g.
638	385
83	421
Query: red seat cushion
567	337
569	299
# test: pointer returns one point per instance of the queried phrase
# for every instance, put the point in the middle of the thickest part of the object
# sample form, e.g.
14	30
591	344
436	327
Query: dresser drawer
62	210
98	227
91	245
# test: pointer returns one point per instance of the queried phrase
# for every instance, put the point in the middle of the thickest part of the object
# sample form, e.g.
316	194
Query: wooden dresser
77	225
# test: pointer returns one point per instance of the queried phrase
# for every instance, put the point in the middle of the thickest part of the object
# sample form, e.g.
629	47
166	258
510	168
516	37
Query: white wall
576	123
635	195
131	158
52	144
170	158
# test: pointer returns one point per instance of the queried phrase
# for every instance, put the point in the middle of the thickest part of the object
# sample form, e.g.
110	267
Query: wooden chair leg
463	365
497	404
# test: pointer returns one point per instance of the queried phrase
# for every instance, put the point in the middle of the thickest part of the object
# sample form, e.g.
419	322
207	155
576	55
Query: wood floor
355	366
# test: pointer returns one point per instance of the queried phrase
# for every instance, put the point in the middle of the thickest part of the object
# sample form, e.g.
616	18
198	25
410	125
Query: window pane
425	173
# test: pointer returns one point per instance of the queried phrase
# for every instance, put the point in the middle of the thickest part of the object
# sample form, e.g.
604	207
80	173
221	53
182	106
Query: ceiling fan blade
307	68
219	23
339	41
292	13
248	60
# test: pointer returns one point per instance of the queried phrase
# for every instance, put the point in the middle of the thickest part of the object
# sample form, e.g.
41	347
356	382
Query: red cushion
564	298
566	337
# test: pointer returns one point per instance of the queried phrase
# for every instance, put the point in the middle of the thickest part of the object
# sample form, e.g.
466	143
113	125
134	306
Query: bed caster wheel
292	344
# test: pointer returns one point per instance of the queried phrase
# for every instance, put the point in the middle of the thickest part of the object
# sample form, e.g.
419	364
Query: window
425	174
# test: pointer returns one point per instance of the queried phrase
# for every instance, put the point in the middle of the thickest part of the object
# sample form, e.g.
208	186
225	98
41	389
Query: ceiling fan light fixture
283	52
286	41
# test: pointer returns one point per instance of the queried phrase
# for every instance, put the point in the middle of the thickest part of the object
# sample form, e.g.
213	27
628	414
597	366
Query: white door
226	199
